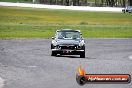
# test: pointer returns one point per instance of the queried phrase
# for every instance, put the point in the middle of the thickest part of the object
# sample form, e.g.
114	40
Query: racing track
26	63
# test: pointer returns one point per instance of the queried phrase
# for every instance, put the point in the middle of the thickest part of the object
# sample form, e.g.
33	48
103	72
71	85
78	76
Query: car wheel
53	53
82	55
123	11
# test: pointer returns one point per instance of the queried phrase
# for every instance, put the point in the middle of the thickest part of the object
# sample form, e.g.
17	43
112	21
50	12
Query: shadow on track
68	56
74	56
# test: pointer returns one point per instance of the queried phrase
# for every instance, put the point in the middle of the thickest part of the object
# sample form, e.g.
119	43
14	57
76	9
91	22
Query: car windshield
68	35
129	7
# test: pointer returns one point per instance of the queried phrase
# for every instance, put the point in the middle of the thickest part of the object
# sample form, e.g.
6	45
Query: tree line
111	3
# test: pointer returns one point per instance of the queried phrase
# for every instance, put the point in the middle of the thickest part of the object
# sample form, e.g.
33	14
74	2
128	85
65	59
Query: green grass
16	22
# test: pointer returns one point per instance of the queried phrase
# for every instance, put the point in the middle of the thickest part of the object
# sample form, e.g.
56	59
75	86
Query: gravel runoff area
82	8
27	63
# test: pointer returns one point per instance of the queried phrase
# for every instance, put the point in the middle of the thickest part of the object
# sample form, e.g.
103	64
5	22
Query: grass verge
16	22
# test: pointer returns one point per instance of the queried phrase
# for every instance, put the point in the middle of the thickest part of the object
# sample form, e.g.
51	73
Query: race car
68	42
127	9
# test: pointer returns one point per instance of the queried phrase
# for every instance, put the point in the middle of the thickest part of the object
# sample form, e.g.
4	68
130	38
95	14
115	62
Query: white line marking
1	82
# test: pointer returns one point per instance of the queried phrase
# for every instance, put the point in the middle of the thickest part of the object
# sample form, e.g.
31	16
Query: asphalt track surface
26	63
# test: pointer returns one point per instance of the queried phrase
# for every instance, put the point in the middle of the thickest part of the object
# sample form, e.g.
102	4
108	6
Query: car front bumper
67	51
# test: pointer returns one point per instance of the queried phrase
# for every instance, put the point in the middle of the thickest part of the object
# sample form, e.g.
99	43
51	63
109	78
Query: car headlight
54	42
82	43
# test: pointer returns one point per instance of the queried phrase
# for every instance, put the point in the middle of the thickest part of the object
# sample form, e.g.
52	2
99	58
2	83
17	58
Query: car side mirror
53	38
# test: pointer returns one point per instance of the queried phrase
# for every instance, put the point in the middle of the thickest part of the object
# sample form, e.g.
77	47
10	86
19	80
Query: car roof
68	30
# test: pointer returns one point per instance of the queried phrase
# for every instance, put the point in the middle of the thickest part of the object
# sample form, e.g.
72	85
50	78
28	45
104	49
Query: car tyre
52	47
123	11
53	53
82	55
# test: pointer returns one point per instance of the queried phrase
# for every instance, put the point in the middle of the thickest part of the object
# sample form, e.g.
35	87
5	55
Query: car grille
72	47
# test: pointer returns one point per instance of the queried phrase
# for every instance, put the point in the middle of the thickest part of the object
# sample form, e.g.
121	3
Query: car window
68	35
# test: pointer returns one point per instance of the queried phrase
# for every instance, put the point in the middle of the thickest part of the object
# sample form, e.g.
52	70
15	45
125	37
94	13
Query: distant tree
67	2
130	2
78	2
124	4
